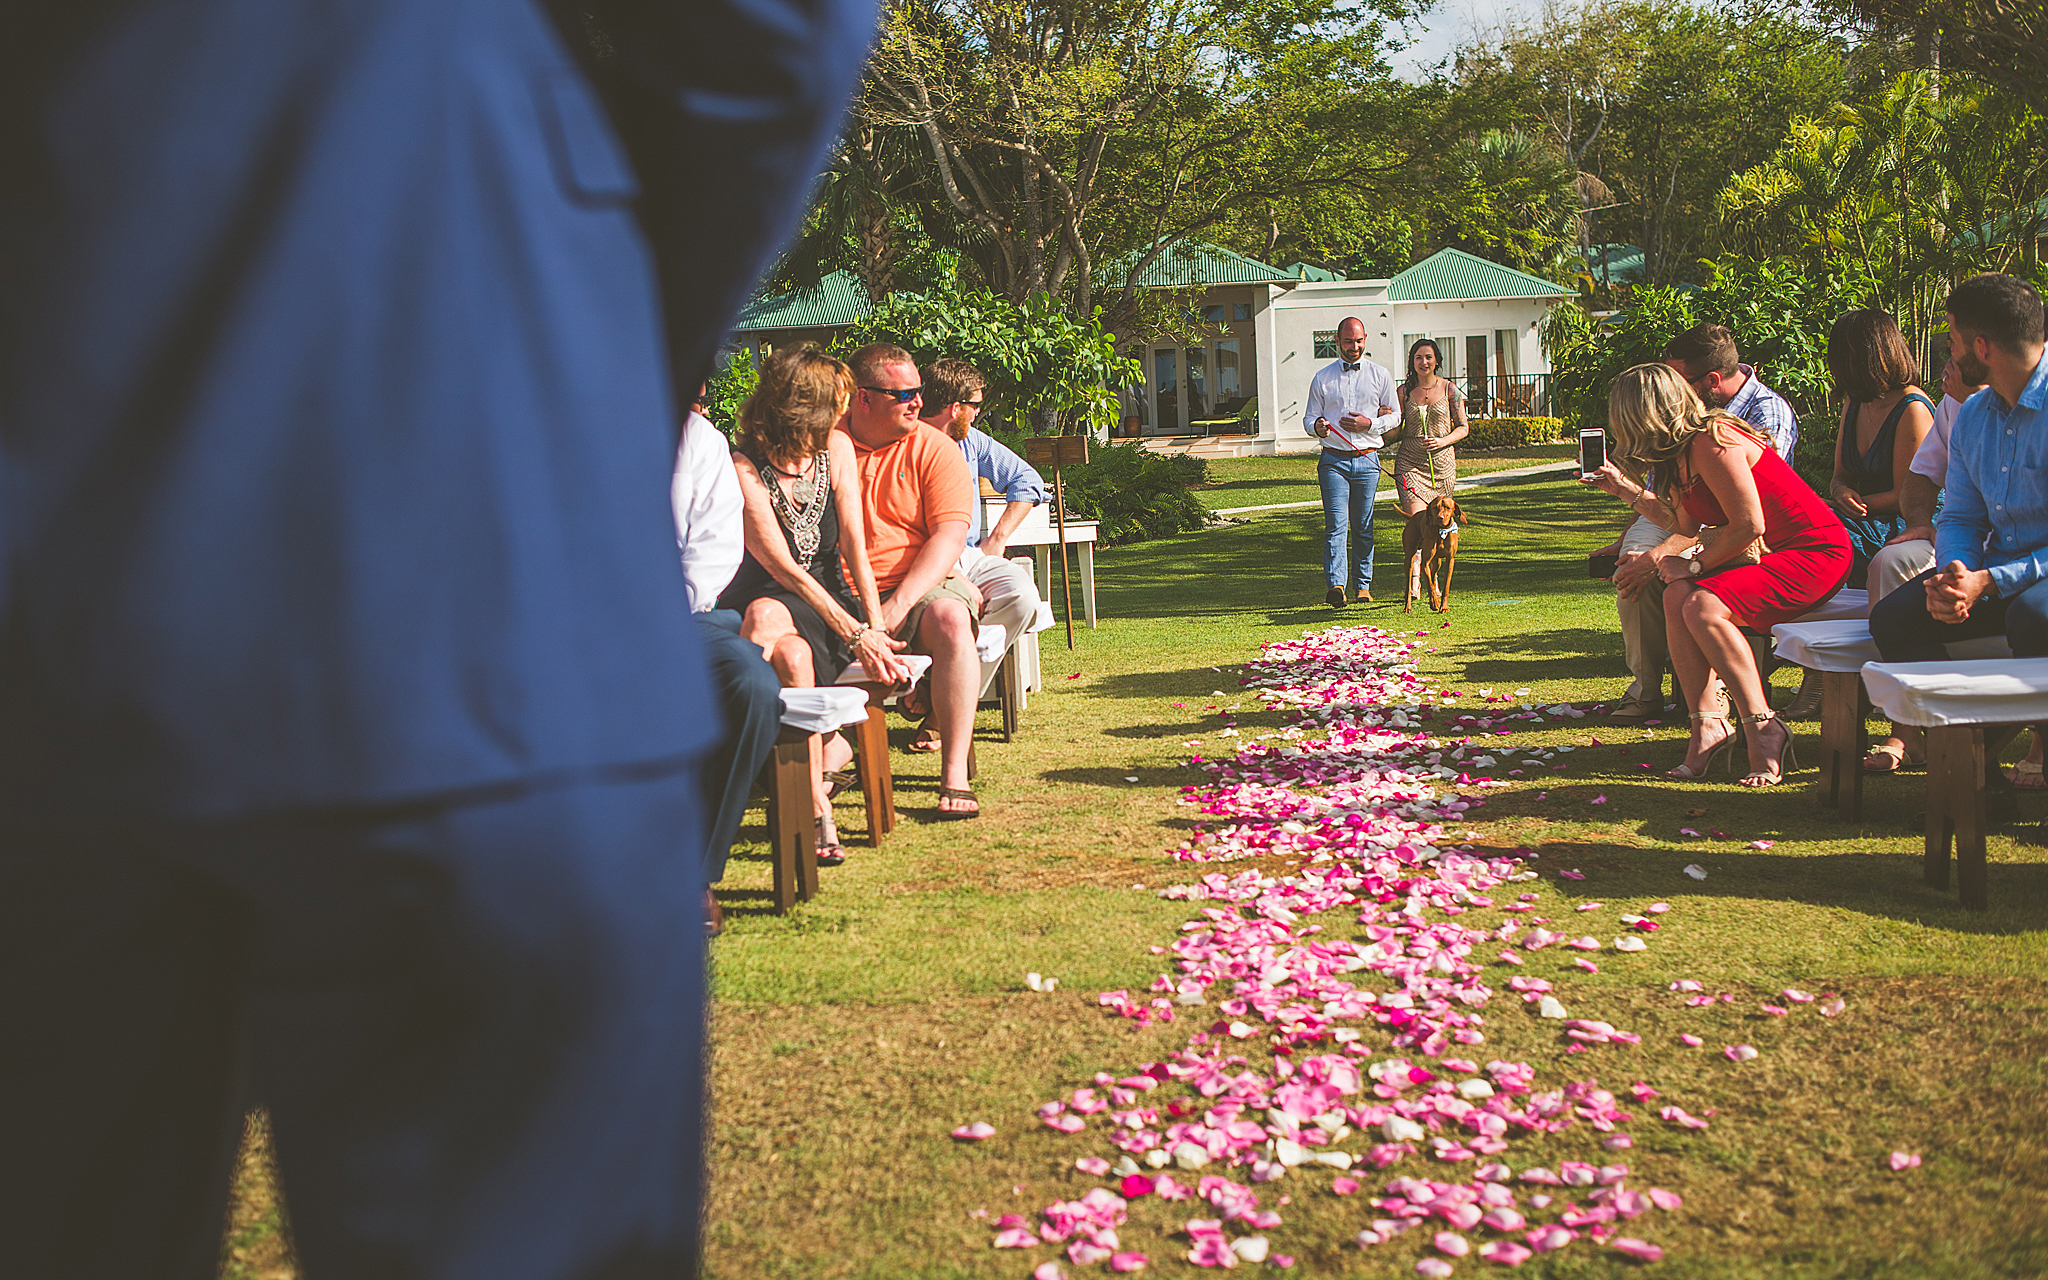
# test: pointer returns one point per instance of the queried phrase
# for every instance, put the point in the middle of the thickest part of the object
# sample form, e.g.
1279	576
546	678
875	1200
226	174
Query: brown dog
1429	543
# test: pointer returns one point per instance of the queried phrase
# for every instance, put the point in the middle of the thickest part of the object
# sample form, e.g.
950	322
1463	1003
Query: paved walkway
1387	495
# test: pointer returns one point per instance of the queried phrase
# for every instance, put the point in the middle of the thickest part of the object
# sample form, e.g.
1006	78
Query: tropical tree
1067	135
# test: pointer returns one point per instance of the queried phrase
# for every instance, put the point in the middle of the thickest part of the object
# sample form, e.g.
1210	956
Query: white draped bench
1969	709
1839	649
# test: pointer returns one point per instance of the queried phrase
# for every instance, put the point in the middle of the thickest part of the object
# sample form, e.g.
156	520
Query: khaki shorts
950	588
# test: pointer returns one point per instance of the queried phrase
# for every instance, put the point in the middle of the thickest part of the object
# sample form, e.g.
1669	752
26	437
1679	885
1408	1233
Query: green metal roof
1189	263
838	301
1451	275
1311	272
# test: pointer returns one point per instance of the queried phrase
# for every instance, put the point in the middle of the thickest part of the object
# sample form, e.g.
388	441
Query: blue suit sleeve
746	93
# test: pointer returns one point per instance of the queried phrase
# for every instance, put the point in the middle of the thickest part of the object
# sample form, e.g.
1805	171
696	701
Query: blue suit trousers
476	1027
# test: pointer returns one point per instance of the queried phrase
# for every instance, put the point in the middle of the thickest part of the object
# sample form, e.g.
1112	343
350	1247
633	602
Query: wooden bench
786	778
1968	709
1840	649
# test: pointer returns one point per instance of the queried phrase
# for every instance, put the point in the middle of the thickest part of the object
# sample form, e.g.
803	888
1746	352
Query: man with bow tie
1351	407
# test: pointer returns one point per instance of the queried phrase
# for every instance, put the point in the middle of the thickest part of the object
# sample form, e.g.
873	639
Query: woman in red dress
1770	550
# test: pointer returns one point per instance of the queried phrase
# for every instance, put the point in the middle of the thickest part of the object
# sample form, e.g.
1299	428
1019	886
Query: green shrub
1509	433
1135	492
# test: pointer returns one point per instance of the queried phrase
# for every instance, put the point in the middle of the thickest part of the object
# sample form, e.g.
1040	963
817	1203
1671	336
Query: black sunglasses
972	404
902	395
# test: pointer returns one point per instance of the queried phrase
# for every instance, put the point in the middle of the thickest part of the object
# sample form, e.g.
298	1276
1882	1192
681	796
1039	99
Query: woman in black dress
804	536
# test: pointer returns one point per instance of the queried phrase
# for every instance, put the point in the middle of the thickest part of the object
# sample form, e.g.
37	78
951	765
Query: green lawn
1252	482
852	1034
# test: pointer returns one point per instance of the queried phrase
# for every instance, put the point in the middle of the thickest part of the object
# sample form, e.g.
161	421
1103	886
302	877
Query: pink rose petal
1550	1239
1635	1248
1833	1007
1739	1053
1796	996
1506	1252
1069	1123
1900	1160
1761	844
1127	1262
1678	1116
976	1132
1048	1271
1344	1186
1433	1269
1688	1038
1665	1199
1015	1238
1093	1166
1452	1243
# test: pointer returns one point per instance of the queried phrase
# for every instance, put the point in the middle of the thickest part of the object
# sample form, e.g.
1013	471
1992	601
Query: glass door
1166	391
1198	384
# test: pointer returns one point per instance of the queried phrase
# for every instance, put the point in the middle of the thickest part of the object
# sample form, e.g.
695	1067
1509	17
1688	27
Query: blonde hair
1653	415
802	394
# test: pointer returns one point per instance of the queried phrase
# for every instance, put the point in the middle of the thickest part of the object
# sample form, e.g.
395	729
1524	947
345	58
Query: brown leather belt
1350	453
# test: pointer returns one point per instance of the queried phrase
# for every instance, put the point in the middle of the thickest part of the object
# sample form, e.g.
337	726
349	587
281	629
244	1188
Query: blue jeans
1348	488
1906	632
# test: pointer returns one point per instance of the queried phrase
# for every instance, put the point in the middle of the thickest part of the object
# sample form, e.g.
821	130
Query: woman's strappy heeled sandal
1788	759
1686	773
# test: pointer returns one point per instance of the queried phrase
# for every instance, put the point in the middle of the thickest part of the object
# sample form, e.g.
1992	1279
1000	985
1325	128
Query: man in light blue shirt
953	394
1351	407
1991	535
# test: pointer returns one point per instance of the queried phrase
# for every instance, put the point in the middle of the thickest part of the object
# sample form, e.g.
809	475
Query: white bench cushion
1846	645
823	710
1987	691
1849	602
917	662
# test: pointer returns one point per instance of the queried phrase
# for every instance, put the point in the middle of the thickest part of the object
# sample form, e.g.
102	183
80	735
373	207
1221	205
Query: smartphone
1592	451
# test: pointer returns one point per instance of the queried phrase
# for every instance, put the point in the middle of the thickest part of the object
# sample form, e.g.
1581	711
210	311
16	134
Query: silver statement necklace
799	511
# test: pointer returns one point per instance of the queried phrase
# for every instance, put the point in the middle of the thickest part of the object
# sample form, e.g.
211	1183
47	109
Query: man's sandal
955	815
924	742
2026	776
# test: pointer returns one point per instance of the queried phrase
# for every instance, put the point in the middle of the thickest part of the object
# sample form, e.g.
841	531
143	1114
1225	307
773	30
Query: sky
1452	23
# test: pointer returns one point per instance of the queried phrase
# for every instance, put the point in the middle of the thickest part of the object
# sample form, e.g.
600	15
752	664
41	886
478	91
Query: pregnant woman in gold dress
1432	423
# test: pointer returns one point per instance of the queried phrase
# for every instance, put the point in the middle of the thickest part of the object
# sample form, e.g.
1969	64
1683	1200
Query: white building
1235	386
1269	331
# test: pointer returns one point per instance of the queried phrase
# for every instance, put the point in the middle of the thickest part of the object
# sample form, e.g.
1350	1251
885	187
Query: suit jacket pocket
589	159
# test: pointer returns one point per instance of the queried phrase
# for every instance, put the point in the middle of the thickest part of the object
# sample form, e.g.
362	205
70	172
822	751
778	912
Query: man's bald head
1351	338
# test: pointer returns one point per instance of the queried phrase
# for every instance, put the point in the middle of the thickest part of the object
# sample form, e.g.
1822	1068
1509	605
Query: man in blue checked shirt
1991	535
1351	407
954	391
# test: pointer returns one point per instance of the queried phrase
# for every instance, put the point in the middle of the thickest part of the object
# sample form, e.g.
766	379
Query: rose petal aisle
1321	1066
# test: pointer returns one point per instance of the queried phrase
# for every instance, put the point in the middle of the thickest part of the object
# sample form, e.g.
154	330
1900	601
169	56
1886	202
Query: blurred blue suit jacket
338	351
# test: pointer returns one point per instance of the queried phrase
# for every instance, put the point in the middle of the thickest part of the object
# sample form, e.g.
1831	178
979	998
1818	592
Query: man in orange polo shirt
917	496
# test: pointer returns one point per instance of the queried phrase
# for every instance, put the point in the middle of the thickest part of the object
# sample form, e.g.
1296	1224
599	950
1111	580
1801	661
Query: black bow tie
1351	368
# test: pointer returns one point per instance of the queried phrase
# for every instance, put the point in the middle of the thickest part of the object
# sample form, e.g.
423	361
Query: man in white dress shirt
705	494
1351	407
